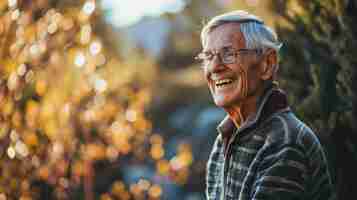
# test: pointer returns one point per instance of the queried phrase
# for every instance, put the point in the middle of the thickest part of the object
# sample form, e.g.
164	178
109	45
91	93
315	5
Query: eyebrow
229	46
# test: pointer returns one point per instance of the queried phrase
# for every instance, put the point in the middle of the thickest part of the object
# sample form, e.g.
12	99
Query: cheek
253	79
208	80
243	79
210	84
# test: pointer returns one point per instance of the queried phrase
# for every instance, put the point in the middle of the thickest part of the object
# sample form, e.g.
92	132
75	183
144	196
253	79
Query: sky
123	13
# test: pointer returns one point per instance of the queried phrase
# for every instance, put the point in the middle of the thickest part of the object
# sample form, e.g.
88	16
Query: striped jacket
272	156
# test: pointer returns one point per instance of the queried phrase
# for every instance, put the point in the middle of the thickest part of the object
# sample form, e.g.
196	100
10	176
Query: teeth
223	81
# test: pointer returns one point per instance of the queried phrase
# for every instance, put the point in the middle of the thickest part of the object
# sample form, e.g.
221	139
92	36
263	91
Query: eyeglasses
226	55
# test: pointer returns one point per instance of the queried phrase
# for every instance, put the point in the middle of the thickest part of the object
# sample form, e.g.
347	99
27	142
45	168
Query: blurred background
102	99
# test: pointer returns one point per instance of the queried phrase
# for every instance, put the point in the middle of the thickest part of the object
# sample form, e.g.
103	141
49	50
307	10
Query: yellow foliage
67	101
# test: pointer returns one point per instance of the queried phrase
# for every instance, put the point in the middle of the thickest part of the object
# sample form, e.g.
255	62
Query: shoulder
291	145
287	129
216	154
286	136
218	143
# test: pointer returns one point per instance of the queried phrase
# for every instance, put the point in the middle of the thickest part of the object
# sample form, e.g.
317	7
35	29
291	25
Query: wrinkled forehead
225	35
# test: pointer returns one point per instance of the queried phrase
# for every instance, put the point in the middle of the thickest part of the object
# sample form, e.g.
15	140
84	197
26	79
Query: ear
269	65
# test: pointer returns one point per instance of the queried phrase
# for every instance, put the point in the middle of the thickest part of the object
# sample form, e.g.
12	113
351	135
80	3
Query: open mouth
223	82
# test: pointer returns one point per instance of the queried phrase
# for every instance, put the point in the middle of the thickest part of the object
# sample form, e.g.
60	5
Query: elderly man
263	151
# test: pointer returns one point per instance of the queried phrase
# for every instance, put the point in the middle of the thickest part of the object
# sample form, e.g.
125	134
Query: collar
272	101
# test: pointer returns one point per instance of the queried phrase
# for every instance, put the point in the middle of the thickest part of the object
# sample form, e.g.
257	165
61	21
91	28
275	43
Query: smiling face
232	84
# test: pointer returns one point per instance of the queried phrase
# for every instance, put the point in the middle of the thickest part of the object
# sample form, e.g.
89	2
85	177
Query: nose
216	65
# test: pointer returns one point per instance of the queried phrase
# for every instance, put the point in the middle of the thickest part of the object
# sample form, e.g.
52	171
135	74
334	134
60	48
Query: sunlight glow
127	12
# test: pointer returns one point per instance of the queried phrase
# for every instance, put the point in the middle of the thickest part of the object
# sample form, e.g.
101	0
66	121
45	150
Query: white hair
256	34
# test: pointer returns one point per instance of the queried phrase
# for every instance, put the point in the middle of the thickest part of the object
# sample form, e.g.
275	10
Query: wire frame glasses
225	55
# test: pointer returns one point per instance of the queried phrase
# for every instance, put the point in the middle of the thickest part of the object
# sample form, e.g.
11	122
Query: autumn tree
318	64
72	109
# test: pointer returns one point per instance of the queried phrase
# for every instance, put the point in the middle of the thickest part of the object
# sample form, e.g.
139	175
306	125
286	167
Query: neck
241	112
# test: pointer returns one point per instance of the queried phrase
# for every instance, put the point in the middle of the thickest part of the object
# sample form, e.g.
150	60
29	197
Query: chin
221	102
226	97
227	100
